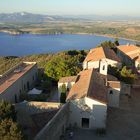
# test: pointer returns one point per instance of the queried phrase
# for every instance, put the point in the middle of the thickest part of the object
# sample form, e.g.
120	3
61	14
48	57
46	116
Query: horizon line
41	13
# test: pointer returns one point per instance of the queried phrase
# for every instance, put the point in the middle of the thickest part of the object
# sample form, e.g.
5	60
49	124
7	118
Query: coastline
109	36
82	33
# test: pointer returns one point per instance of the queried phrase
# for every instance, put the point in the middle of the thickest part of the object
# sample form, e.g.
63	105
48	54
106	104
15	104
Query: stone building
88	102
17	80
96	55
90	97
130	55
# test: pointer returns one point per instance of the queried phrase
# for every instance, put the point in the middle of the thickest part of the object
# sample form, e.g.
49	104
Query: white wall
91	64
96	64
137	65
114	63
67	84
96	113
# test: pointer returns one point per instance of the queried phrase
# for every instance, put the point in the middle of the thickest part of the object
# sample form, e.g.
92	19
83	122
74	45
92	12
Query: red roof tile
99	53
68	79
90	86
13	77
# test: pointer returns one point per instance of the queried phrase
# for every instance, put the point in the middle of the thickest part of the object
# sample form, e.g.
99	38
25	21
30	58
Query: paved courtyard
122	123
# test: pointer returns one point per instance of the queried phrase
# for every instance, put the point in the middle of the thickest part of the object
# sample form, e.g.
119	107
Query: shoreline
92	34
109	36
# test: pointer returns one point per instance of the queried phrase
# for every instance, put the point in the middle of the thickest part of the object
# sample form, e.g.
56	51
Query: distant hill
29	17
103	18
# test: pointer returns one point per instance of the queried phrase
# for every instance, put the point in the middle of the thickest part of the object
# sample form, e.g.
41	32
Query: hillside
55	65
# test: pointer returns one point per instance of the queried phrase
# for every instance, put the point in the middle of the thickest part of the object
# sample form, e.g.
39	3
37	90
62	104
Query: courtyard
122	123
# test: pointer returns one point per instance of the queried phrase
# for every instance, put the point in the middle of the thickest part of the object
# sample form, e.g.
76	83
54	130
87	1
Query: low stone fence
135	86
56	127
126	88
36	107
26	109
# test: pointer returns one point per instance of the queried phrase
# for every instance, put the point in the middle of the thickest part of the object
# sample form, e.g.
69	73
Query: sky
72	7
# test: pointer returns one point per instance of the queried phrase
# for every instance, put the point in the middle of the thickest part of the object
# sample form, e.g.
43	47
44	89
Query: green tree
116	42
7	110
64	65
10	130
127	76
109	44
63	89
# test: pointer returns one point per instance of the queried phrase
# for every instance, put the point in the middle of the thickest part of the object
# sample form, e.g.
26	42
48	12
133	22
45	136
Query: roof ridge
104	52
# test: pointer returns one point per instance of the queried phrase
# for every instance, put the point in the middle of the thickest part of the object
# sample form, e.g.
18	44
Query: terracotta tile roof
128	48
99	53
12	77
98	92
80	88
89	86
68	79
131	51
135	56
111	78
114	84
110	54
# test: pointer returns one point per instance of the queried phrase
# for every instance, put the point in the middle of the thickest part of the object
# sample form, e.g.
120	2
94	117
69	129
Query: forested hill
55	65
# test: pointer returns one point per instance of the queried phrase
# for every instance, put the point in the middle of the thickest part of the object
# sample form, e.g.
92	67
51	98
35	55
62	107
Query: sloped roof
128	48
98	92
10	78
68	79
114	84
131	51
80	88
89	86
99	53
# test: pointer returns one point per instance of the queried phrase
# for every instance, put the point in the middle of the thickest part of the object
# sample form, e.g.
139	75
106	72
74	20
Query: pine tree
10	130
7	110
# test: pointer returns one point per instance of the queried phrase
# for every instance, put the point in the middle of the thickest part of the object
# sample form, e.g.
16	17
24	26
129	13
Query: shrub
10	130
7	110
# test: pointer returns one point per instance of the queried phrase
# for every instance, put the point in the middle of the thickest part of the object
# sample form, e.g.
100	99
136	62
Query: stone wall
56	127
125	88
26	109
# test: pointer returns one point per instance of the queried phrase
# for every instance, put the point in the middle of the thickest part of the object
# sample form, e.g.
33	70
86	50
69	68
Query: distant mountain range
29	17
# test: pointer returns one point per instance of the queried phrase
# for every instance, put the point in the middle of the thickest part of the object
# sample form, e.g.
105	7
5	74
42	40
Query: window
111	92
85	122
28	85
15	98
104	67
24	87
